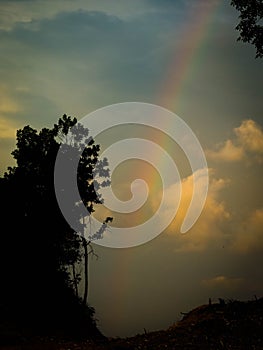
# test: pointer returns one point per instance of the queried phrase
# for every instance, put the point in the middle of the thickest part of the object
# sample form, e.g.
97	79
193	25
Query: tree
37	245
93	173
250	25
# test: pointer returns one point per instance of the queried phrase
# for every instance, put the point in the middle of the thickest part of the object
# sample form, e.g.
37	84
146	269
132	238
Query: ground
232	325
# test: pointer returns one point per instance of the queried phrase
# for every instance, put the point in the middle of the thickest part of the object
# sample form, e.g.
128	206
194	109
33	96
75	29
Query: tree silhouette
38	249
250	25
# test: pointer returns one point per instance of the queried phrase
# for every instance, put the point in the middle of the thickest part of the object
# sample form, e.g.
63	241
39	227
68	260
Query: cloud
238	231
106	58
222	281
207	230
18	11
7	104
7	129
249	237
227	152
246	144
250	136
8	107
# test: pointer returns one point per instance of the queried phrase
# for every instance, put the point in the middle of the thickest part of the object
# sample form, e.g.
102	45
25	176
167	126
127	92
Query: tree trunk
75	282
86	257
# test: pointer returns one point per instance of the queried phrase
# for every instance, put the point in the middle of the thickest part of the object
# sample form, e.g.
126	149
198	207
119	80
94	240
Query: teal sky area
74	57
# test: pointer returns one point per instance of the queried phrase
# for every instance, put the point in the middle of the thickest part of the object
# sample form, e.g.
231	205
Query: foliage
37	245
250	25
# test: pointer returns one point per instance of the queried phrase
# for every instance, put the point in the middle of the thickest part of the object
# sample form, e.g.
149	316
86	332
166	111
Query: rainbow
179	72
185	60
185	63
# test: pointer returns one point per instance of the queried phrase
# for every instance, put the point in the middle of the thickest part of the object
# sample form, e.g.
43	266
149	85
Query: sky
74	57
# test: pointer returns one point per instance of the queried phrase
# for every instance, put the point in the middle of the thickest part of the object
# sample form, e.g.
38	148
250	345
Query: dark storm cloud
121	51
104	55
106	58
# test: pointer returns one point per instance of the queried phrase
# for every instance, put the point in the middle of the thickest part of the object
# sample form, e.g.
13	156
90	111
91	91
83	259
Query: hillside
232	325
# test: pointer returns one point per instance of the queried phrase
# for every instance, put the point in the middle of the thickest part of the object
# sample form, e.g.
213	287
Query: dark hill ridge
229	325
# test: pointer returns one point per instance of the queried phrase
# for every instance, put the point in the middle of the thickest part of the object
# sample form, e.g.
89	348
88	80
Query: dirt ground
234	326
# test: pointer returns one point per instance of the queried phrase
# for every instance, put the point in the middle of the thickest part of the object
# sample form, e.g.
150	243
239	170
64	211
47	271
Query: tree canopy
39	251
250	25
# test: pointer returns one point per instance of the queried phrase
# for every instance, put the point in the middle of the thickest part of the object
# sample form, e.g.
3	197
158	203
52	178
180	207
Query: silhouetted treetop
250	25
41	255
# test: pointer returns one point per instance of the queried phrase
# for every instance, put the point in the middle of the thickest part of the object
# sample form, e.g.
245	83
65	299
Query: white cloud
206	230
248	141
250	136
227	152
217	227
